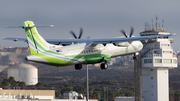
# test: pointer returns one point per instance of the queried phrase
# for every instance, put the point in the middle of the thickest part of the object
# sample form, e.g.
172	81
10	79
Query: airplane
64	52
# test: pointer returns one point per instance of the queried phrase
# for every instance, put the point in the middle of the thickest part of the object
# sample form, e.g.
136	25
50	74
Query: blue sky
98	18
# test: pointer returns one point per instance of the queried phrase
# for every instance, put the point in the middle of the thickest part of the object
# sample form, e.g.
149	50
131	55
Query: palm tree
5	83
39	85
83	90
111	94
91	89
57	93
22	84
14	84
11	79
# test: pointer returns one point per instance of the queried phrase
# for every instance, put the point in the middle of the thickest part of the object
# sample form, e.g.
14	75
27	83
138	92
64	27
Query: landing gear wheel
104	66
78	66
135	57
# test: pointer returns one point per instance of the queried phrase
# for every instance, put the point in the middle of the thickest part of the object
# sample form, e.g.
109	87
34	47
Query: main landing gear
78	66
135	57
104	65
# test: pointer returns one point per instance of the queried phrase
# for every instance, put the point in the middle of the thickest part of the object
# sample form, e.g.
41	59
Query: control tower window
147	60
167	52
164	44
174	61
158	60
167	60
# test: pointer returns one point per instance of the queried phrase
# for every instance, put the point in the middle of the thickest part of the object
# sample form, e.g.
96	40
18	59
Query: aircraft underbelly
93	59
37	59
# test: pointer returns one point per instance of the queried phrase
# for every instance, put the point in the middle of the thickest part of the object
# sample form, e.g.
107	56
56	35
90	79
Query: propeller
80	34
132	30
130	35
125	34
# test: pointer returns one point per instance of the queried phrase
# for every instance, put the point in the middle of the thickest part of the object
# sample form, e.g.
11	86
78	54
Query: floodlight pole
107	92
87	84
104	92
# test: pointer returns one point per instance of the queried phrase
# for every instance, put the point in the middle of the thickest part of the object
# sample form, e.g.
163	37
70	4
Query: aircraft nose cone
140	46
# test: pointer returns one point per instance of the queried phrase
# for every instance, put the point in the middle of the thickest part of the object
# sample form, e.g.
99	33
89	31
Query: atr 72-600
64	52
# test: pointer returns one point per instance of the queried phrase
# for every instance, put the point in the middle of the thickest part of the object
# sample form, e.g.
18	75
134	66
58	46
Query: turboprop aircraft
64	52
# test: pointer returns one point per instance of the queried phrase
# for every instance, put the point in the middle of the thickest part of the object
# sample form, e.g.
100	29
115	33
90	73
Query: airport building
39	95
10	94
156	60
125	99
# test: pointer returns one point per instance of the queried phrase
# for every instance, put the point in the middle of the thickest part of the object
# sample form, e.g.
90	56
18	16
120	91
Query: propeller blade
132	30
122	31
80	34
73	34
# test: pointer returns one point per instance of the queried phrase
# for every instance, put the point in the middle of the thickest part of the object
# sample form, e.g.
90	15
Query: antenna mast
156	21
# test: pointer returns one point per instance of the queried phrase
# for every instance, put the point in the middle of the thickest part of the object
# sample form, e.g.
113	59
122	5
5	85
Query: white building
35	95
14	94
70	95
125	99
24	72
157	58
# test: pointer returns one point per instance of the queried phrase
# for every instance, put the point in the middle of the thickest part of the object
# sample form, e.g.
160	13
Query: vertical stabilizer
36	42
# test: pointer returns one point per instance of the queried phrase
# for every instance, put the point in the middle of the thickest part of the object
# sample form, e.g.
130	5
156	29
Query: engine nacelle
122	44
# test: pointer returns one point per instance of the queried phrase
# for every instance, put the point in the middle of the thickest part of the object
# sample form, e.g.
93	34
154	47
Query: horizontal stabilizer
14	26
29	26
15	39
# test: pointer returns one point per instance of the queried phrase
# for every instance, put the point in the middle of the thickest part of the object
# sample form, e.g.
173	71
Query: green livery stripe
56	53
34	32
91	55
33	40
32	51
93	58
39	46
55	61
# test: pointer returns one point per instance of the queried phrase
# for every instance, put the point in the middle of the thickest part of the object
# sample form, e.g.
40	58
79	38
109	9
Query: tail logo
59	50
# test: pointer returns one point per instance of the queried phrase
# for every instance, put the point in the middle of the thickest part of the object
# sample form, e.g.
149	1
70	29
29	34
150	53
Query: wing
94	41
106	40
52	41
129	39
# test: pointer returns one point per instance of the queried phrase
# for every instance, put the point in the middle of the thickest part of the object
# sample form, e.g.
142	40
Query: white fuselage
91	53
110	49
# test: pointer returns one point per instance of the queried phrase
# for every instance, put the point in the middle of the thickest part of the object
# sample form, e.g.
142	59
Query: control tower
157	58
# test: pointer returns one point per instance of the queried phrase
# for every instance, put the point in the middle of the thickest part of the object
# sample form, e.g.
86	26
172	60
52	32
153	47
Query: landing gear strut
78	66
135	57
